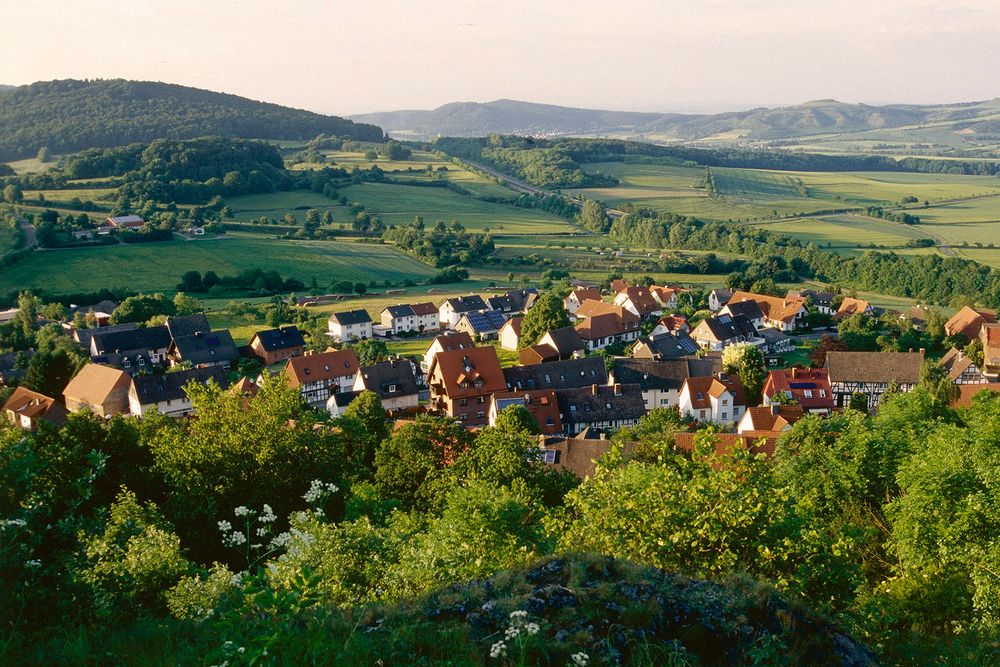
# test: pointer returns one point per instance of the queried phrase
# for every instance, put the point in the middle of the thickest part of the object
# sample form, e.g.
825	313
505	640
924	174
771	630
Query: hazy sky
366	55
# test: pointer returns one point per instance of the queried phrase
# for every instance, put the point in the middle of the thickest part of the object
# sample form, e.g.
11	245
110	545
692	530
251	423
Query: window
392	389
126	363
702	412
607	406
724	415
822	393
479	384
480	399
463	417
549	421
463	384
572	408
548	379
701	397
725	401
140	361
807	393
480	414
462	402
551	456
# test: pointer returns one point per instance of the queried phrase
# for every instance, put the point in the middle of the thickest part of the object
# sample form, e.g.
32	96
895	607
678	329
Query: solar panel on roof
801	385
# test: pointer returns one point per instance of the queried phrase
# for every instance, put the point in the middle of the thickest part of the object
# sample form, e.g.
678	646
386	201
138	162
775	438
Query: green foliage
747	361
593	216
370	351
444	245
545	315
142	308
517	419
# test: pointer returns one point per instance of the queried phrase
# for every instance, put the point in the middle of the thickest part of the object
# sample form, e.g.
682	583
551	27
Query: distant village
576	396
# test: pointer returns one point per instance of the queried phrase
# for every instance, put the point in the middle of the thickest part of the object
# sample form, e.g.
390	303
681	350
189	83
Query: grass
277	204
848	233
83	194
159	266
7	239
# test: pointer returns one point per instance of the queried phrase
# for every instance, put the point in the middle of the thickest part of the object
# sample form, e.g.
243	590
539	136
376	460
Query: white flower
498	650
532	628
513	632
236	579
241	649
519	615
20	523
241	511
268	515
34	563
225	526
580	659
281	540
261	532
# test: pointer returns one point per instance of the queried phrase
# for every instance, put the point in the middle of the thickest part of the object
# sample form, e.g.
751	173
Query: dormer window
126	363
548	379
392	389
479	384
807	393
326	367
141	361
464	384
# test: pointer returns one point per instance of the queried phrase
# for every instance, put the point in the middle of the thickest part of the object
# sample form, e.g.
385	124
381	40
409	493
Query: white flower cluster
498	650
580	659
518	624
16	523
318	491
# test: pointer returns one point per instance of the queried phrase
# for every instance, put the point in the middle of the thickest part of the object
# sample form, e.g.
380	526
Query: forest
71	115
258	534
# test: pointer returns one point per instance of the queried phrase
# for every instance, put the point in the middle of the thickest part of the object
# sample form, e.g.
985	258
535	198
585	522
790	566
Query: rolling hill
71	115
761	124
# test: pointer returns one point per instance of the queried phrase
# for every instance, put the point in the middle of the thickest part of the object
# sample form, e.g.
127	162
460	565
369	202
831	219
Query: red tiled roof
320	367
455	367
713	386
966	392
772	418
796	381
541	404
727	442
775	308
968	321
604	325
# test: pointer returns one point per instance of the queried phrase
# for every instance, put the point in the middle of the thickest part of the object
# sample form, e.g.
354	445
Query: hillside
811	118
71	115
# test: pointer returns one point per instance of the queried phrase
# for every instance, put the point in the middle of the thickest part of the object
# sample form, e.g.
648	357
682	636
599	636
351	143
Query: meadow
849	234
159	266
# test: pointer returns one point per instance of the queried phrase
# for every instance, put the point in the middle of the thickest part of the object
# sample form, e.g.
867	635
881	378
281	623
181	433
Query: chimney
618	390
795	372
593	389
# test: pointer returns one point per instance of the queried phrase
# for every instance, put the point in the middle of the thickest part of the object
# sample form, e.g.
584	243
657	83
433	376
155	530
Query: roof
425	308
514	324
84	335
727	442
465	304
618	284
956	363
503	303
540	404
565	374
94	383
487	321
818	298
455	368
794	382
750	309
671	345
245	386
968	321
206	348
279	339
642	299
399	310
774	308
966	392
536	354
127	220
133	340
585	294
875	367
590	308
33	405
772	336
851	306
342	399
171	386
604	325
663	295
106	306
723	295
565	340
673	323
663	374
599	403
701	389
350	317
456	340
577	455
187	325
321	367
990	337
772	418
725	327
396	375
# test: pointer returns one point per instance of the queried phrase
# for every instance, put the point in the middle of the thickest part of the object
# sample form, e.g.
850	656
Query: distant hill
466	119
71	115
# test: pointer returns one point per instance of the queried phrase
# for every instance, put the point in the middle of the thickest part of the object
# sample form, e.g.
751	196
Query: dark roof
578	454
280	339
566	340
600	403
168	387
401	310
725	327
485	321
750	309
84	335
187	326
663	373
343	398
149	338
206	347
724	295
105	306
352	317
558	374
380	377
670	345
772	335
875	367
503	303
465	304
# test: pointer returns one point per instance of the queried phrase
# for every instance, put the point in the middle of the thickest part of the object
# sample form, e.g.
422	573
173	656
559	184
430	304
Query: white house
350	325
393	381
167	393
717	398
410	318
510	334
451	310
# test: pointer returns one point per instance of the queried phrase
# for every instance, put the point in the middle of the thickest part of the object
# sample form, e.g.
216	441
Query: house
100	311
968	321
565	341
125	223
718	298
714	398
871	373
719	332
133	351
451	310
577	454
101	389
639	301
770	419
823	302
851	306
410	318
670	324
775	341
578	296
350	325
961	369
989	337
661	380
749	309
510	334
537	354
557	375
188	325
274	345
618	284
600	331
591	308
26	409
168	393
337	403
445	342
245	387
540	404
509	304
665	296
779	312
481	325
600	407
674	345
84	336
809	388
392	381
318	376
203	349
966	392
916	317
462	381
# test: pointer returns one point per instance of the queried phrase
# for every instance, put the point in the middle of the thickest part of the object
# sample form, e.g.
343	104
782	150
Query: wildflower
236	579
268	515
225	526
261	532
281	540
19	523
580	659
519	615
241	649
241	511
34	563
513	631
498	650
532	628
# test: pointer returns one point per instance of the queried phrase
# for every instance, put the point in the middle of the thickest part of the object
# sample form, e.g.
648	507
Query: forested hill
71	115
467	119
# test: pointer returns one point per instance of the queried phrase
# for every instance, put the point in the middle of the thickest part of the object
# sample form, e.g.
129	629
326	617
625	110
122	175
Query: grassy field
277	204
83	194
159	266
849	233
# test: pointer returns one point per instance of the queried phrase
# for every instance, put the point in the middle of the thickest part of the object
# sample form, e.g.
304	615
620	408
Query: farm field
849	234
277	204
159	266
83	194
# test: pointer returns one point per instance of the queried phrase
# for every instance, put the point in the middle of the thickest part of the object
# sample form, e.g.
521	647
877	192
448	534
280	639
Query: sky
373	55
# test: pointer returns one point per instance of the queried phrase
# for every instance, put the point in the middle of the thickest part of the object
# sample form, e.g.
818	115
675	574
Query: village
578	395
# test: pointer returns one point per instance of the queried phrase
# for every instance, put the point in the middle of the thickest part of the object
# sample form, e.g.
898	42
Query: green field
277	204
850	234
159	266
83	194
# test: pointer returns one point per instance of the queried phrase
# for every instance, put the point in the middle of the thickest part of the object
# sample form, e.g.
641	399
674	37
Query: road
29	234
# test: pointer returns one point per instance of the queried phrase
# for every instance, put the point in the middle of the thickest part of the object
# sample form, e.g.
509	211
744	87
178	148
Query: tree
517	419
12	194
370	351
367	413
141	308
747	361
360	288
547	314
187	305
858	402
827	343
44	155
935	379
191	281
27	313
593	216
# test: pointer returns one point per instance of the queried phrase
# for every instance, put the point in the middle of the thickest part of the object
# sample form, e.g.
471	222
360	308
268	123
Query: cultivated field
850	234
